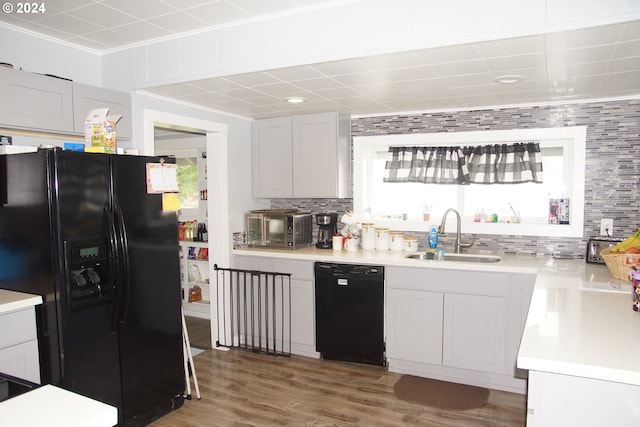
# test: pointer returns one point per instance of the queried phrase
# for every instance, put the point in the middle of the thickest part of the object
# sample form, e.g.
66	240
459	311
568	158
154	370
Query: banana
629	242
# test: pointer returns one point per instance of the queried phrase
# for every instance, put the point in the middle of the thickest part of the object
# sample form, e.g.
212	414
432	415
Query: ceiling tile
580	55
511	47
261	7
507	63
293	74
71	24
340	68
253	79
215	84
217	13
447	69
140	9
584	38
178	22
318	84
103	16
140	30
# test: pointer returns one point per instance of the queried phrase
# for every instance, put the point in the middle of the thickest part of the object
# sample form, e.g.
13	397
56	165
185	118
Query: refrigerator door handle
115	265
124	245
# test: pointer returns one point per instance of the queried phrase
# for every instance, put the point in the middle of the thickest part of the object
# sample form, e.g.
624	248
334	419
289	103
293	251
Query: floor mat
440	394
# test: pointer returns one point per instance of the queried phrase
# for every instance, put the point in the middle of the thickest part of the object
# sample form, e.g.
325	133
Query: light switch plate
606	227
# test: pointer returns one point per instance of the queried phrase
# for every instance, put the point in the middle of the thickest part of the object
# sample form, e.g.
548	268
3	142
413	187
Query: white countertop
54	407
580	321
509	263
11	300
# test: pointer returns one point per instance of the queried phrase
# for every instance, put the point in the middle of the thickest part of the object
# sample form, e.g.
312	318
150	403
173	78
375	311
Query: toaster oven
279	228
597	244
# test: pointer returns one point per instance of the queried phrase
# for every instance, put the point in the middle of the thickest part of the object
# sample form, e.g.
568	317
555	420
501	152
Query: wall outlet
606	227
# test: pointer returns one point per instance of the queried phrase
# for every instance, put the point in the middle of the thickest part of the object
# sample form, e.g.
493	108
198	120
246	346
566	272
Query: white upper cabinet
302	156
35	101
87	98
271	156
42	103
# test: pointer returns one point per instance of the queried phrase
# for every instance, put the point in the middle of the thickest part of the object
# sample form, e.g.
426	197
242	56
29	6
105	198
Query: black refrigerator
82	230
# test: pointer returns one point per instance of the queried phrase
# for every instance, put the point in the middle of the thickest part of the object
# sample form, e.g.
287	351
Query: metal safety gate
254	310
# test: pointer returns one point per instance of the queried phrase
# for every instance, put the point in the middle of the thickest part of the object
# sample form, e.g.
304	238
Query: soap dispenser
433	238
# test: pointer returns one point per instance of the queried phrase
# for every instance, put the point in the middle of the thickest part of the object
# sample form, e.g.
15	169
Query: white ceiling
593	63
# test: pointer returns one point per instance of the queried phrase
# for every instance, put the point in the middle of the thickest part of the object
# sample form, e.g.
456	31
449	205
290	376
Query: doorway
163	125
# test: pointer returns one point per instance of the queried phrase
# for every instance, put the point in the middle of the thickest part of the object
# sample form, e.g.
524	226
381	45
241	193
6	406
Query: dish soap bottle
433	238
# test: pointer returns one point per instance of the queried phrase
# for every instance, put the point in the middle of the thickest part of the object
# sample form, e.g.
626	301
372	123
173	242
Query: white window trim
575	138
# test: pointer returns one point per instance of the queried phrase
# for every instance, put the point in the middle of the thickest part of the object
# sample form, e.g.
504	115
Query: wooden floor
240	388
199	332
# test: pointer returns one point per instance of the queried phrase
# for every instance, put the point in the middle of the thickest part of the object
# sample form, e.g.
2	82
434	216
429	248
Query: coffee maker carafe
327	227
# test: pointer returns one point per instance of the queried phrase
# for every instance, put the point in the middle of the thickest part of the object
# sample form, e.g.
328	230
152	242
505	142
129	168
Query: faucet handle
467	245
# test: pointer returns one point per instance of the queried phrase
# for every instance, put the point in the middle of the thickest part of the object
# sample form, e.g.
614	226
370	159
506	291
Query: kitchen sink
459	257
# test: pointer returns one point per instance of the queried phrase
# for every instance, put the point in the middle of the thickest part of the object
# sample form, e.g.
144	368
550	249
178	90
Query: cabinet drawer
21	361
450	281
17	327
298	269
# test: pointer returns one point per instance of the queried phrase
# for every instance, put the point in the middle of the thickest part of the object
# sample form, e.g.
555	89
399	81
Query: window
190	154
188	182
563	151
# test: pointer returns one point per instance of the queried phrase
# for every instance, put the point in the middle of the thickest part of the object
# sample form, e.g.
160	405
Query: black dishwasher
350	312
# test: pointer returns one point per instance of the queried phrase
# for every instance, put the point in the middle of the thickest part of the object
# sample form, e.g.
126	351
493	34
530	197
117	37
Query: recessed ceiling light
295	100
508	79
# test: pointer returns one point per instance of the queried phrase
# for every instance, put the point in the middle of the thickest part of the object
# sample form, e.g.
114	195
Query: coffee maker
327	227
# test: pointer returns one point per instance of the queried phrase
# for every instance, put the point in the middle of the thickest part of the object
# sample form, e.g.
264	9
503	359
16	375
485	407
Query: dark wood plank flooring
199	332
240	388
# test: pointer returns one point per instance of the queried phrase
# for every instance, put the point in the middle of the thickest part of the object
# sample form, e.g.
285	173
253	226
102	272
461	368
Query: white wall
354	29
46	57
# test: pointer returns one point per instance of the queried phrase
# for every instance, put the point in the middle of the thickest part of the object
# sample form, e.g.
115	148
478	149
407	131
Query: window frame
573	140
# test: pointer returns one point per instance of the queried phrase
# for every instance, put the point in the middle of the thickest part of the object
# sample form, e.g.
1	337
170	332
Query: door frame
217	184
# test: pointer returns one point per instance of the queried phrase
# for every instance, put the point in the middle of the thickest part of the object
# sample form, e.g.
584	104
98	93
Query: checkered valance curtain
483	164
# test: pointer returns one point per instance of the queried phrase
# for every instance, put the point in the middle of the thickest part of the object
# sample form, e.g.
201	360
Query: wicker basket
620	264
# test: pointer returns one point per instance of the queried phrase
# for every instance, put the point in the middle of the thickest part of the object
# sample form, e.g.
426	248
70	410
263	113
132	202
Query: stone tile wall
612	164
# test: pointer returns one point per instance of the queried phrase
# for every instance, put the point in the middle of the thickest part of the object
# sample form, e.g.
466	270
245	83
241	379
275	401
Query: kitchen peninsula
577	326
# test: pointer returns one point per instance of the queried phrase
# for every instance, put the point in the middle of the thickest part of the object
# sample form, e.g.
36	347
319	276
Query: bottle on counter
433	238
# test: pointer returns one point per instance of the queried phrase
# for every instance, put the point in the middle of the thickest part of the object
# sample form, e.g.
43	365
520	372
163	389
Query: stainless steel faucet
459	244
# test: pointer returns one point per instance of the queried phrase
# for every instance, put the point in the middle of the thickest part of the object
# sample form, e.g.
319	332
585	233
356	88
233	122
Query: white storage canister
368	235
410	243
382	238
396	240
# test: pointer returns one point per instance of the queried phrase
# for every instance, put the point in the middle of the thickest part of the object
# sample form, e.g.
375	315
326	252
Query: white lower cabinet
302	297
459	326
558	400
414	325
474	332
19	345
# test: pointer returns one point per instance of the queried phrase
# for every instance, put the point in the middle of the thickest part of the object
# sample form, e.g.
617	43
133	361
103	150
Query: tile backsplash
612	164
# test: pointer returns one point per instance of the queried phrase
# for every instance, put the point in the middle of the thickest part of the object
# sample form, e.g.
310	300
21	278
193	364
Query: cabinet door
302	299
87	98
302	312
474	332
35	101
271	158
315	167
414	325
